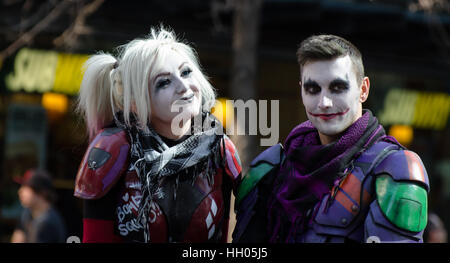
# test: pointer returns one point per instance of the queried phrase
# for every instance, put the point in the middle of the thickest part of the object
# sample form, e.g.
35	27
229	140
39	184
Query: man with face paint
338	177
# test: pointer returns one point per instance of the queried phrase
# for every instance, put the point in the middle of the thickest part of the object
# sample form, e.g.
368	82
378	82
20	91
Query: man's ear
300	86
365	87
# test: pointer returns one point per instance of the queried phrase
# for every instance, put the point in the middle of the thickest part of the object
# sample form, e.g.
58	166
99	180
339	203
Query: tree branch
28	36
69	36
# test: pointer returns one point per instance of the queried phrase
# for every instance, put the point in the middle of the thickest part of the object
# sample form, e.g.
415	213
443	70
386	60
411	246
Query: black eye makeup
311	87
186	72
164	79
162	83
339	85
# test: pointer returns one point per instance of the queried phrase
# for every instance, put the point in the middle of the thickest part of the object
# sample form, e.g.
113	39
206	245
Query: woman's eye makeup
162	83
165	79
186	72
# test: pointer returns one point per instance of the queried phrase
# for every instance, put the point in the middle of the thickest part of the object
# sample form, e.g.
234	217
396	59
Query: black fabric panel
103	208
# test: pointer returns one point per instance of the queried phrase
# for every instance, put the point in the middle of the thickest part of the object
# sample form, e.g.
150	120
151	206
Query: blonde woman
158	167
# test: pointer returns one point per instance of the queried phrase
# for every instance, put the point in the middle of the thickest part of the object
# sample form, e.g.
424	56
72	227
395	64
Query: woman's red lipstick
329	116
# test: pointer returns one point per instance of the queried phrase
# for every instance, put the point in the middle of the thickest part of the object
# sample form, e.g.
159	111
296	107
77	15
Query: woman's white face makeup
331	94
174	90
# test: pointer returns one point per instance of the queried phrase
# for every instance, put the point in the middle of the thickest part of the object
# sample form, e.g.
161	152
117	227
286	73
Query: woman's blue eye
186	72
162	83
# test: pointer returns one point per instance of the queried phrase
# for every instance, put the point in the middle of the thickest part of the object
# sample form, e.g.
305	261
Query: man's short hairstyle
326	47
40	181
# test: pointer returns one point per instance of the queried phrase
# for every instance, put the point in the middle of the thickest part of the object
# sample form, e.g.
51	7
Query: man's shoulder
51	217
263	165
401	187
387	156
50	227
404	165
253	194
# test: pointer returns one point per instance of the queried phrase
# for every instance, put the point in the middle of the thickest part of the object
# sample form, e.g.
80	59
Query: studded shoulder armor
104	162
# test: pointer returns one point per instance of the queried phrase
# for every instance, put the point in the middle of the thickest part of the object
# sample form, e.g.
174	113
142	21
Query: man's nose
325	102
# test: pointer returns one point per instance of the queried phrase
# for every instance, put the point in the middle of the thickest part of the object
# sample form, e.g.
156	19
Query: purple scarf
311	169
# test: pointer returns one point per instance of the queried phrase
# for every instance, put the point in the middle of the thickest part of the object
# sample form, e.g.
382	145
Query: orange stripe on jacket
415	167
352	187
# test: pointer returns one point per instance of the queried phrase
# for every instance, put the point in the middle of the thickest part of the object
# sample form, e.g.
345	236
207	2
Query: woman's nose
182	86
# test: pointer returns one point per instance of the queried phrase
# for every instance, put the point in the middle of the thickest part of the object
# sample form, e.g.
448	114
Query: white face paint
174	85
331	95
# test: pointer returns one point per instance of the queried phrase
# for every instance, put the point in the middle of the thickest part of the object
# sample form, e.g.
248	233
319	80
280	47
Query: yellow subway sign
46	71
427	110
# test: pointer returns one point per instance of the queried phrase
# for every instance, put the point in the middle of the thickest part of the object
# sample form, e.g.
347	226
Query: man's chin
332	132
331	129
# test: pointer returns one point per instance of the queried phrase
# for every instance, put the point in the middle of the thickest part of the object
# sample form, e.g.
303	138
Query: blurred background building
246	47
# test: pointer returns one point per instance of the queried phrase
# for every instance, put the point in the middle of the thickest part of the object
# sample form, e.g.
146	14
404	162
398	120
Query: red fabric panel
99	231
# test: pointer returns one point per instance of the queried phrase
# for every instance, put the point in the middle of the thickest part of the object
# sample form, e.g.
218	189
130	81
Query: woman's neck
173	133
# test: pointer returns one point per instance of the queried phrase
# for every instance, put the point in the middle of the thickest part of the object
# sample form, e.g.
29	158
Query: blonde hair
111	84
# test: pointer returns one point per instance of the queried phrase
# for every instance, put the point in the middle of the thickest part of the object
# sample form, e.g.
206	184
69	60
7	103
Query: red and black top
191	211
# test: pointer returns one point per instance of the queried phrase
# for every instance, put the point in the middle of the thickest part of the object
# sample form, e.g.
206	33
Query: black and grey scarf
154	161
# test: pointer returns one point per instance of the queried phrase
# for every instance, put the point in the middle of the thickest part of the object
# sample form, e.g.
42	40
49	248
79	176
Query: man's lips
328	116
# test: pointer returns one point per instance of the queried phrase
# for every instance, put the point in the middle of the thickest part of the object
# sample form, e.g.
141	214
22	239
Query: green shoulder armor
404	203
262	165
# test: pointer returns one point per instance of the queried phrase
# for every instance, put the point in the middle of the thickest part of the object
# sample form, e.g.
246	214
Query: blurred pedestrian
435	231
40	221
159	168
